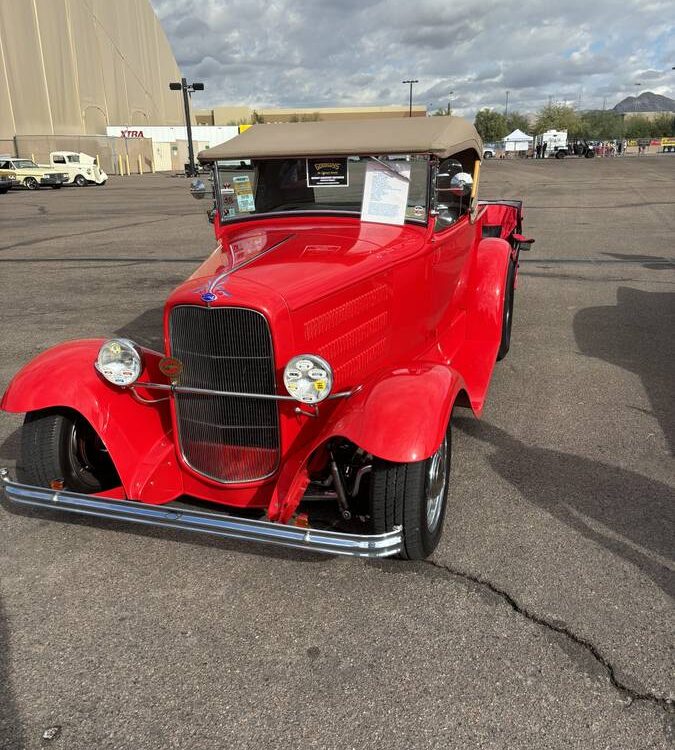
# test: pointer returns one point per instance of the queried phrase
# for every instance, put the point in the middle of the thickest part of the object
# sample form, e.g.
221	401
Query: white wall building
169	143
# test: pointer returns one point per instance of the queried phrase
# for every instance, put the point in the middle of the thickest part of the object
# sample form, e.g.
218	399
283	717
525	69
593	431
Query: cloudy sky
323	53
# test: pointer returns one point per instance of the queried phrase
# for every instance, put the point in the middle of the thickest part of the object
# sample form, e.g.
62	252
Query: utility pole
449	99
187	89
411	85
506	108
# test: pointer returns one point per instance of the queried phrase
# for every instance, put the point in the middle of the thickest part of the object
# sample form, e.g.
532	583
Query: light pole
635	100
188	88
449	100
506	108
411	85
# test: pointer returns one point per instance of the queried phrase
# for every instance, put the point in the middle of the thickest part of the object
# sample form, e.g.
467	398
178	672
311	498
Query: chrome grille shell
226	438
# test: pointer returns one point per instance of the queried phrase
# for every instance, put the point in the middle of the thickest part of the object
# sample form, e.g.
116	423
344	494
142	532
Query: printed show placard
327	172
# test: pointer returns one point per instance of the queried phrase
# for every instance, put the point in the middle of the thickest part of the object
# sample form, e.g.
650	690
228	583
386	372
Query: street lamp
411	85
449	100
188	88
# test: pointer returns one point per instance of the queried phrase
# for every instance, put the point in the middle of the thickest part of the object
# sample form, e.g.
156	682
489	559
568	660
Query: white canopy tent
518	141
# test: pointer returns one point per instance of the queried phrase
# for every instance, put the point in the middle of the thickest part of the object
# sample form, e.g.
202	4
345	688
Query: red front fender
137	436
400	416
403	415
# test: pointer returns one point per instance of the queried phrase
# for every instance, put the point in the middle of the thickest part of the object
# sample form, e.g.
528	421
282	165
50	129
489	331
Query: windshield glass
24	164
325	184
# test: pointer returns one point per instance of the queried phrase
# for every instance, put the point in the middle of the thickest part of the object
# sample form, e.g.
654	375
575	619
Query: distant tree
663	125
490	124
517	121
601	125
558	117
294	118
442	111
637	126
256	118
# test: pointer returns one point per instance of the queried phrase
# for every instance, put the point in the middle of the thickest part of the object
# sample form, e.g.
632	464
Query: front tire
414	496
31	183
80	180
60	448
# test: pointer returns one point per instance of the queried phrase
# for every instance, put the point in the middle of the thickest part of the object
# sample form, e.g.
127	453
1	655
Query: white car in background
80	168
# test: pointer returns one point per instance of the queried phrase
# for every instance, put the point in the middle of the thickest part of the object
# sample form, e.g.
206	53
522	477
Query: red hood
303	261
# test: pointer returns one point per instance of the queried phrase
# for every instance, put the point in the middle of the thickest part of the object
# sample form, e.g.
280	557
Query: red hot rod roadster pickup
358	292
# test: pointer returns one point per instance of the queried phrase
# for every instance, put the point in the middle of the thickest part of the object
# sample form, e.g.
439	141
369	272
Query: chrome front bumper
216	524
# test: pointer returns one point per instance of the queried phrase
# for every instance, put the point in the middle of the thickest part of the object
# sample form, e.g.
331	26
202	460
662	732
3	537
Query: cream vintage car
81	169
29	175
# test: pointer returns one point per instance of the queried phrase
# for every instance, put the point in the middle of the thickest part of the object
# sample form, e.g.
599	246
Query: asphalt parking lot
544	619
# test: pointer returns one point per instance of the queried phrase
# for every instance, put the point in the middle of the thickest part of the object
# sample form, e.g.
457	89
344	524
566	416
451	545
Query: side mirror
197	189
461	184
443	182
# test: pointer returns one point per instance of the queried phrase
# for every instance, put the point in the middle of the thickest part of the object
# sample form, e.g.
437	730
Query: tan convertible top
442	136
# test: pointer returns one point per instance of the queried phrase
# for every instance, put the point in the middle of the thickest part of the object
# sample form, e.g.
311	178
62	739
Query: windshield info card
385	192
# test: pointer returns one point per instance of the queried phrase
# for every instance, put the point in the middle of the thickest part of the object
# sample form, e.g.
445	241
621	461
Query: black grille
229	438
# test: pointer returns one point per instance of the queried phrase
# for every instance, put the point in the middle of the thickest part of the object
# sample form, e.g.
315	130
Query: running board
201	522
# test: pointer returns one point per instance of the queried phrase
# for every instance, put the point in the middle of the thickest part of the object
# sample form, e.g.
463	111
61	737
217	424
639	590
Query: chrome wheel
436	485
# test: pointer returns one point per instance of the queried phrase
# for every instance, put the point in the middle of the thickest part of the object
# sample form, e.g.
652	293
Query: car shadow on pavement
637	335
147	329
652	262
627	513
11	734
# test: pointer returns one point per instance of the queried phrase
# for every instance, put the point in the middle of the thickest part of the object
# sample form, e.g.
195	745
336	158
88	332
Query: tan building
647	115
237	115
72	67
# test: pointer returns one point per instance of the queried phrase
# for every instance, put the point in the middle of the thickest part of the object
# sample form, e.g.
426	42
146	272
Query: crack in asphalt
631	694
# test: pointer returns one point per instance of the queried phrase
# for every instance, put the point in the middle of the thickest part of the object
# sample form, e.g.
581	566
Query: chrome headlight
308	378
119	361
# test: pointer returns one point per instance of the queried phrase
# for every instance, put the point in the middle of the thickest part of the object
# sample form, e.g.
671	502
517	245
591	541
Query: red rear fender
487	291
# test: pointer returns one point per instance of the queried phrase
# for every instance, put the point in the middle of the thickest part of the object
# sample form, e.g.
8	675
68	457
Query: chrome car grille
228	438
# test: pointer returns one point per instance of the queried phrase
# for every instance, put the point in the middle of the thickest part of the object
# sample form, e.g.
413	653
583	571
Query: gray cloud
312	53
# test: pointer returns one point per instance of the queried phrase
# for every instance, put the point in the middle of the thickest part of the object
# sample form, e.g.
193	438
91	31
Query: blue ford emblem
209	297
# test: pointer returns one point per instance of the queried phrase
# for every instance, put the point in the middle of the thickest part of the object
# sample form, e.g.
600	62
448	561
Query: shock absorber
339	489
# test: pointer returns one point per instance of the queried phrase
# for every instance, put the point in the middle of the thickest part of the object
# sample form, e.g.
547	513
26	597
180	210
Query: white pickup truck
80	168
